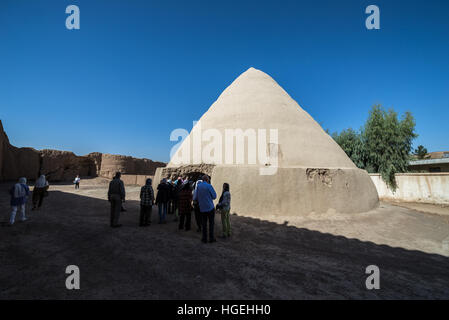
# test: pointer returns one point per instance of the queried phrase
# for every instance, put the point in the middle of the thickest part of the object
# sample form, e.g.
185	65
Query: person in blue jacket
205	195
19	196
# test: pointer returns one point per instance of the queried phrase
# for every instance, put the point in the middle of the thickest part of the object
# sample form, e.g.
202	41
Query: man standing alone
205	194
77	182
116	195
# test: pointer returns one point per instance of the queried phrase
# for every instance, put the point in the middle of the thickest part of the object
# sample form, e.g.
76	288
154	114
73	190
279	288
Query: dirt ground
319	256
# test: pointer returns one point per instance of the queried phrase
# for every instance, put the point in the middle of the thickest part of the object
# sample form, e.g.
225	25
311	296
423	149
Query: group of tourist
179	197
20	193
168	200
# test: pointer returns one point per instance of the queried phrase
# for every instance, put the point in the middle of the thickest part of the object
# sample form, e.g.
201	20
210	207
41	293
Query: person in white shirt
77	182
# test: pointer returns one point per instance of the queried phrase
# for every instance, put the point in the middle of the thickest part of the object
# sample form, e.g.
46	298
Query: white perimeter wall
415	187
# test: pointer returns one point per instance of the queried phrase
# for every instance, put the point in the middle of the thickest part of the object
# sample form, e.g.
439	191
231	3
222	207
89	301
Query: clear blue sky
136	70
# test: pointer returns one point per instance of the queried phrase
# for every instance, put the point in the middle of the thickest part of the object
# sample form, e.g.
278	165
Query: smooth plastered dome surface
255	101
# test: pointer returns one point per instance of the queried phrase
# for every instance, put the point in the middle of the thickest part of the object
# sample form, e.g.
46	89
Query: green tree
421	152
388	142
351	142
383	145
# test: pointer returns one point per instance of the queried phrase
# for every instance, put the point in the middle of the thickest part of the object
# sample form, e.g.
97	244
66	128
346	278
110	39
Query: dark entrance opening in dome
194	176
189	172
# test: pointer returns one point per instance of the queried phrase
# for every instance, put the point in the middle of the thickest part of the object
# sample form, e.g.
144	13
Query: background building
433	162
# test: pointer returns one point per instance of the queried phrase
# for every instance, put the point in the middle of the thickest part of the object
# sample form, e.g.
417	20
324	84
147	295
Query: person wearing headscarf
19	196
162	198
39	191
224	206
185	206
146	203
116	195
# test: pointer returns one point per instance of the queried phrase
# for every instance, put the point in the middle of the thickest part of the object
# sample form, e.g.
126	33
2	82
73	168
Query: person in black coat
171	197
162	198
116	196
175	196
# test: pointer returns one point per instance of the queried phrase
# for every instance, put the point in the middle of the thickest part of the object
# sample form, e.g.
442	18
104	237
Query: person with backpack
146	203
162	198
39	192
19	196
185	206
224	207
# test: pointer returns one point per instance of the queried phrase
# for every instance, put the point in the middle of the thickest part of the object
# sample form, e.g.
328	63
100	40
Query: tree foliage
351	142
383	144
421	152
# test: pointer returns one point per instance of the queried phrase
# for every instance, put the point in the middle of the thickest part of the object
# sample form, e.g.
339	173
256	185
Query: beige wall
292	191
296	191
135	179
444	167
415	187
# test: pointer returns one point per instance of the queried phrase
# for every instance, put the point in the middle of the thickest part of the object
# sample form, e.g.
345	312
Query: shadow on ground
263	260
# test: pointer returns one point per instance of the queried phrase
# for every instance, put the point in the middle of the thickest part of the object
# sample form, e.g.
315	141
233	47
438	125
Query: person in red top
185	206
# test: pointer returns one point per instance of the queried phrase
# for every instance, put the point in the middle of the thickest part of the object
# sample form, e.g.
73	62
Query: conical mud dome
311	172
255	101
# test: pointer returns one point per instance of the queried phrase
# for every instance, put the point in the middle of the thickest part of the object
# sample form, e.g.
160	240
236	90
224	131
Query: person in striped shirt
146	203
